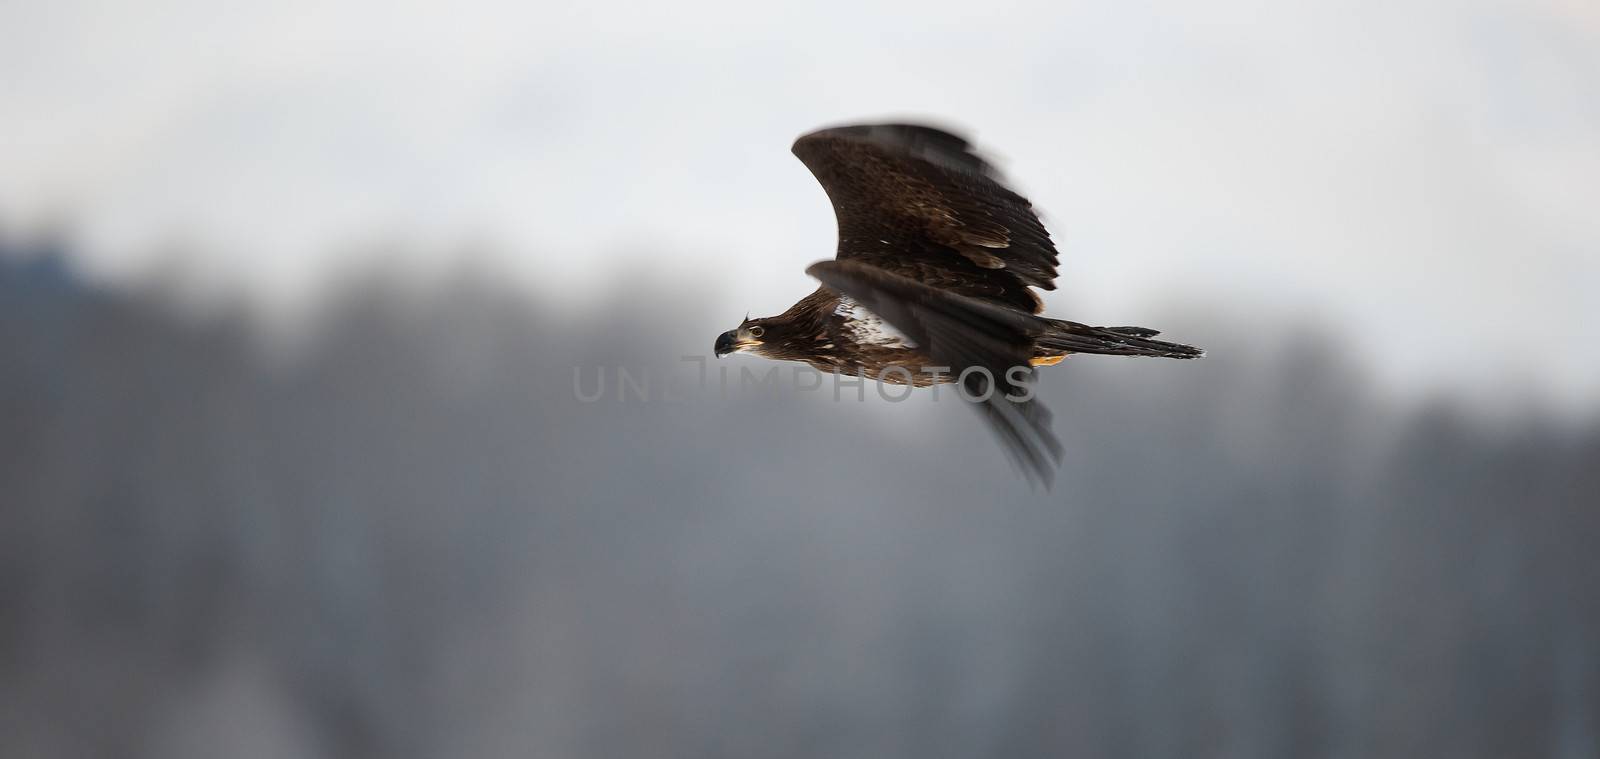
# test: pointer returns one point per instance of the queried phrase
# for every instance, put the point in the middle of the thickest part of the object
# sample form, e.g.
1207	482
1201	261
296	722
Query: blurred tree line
405	537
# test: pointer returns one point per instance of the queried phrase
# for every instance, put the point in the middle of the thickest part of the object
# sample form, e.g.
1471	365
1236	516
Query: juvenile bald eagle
931	281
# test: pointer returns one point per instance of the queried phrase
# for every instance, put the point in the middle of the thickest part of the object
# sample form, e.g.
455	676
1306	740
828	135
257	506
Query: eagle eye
756	331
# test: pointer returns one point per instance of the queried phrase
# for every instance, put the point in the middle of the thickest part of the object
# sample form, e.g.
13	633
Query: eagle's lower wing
957	331
917	201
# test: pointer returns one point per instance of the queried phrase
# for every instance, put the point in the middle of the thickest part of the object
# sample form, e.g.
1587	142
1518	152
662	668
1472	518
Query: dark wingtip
1023	430
942	144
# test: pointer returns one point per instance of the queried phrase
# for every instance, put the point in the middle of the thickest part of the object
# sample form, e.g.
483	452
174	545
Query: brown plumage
934	267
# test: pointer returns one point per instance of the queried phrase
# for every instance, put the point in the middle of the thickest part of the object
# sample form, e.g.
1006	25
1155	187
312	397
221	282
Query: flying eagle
931	283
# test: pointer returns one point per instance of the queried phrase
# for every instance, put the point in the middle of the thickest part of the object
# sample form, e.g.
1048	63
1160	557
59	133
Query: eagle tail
1072	337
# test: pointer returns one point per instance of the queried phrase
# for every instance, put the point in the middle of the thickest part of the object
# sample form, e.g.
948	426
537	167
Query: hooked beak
726	343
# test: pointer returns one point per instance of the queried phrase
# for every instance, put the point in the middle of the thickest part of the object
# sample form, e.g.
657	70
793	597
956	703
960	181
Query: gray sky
1422	174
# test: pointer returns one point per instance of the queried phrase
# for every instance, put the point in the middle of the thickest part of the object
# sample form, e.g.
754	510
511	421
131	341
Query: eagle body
835	334
934	276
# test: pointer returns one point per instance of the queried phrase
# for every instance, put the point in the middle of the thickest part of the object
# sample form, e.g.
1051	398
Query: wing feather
958	331
918	201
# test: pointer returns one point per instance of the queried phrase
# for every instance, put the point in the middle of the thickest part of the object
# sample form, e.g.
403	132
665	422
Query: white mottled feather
865	327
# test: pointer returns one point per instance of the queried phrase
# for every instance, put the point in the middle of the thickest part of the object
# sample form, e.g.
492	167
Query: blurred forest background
292	462
405	537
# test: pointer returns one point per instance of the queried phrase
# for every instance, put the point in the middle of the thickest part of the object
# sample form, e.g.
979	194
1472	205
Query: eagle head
747	336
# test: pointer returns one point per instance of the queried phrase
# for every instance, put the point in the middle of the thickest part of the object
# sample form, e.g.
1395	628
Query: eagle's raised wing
934	244
918	202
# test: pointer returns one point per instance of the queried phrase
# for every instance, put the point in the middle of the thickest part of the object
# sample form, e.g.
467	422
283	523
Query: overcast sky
1422	174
